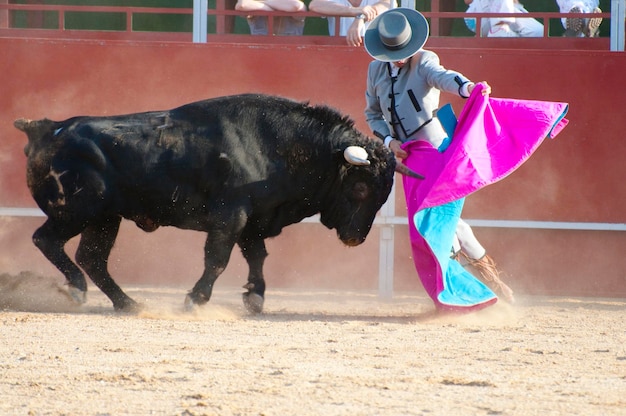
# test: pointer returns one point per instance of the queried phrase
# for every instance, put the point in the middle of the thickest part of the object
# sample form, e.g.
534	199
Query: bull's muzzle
352	241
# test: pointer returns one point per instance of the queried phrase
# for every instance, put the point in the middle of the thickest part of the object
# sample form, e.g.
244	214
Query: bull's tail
22	124
34	129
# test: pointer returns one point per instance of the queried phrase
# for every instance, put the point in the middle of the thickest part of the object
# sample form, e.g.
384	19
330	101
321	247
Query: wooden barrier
576	178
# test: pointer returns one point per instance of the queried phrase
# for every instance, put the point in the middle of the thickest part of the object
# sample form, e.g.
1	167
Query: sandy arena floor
310	353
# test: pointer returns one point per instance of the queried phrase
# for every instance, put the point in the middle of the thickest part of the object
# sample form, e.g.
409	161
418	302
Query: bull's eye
360	191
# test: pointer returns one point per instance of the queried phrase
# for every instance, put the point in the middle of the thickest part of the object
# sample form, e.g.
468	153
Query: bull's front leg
217	250
50	239
255	253
92	255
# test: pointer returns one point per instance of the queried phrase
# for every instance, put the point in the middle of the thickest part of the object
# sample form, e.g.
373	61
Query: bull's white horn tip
356	155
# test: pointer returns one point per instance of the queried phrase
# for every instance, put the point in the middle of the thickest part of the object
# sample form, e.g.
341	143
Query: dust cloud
29	292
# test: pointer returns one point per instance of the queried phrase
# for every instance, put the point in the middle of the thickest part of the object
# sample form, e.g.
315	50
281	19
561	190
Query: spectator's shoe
593	25
574	25
489	274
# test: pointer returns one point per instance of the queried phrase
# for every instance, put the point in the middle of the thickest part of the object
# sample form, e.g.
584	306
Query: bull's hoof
127	306
190	305
77	295
253	302
194	300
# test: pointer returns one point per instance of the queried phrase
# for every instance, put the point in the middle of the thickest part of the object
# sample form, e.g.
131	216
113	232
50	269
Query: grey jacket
415	97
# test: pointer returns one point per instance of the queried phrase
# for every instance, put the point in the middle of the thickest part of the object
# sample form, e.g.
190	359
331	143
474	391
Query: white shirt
346	22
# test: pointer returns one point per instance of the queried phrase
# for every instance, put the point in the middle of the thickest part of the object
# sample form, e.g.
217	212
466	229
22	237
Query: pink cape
493	137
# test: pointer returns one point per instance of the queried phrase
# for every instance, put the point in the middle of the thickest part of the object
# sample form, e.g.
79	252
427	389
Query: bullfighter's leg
50	239
92	255
255	254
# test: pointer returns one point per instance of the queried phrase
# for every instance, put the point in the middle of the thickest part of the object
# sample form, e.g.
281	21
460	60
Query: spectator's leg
229	21
502	30
527	28
258	25
445	25
574	25
289	26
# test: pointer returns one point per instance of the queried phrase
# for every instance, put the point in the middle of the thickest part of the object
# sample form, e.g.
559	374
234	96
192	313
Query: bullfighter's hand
486	90
394	146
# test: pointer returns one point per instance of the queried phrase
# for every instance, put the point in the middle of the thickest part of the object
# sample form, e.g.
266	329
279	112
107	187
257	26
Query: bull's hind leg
254	252
92	255
50	239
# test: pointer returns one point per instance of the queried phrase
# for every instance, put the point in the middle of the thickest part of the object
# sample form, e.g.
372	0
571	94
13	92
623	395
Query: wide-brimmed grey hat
396	34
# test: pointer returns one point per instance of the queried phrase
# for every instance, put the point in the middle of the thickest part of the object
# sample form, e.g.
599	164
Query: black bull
239	168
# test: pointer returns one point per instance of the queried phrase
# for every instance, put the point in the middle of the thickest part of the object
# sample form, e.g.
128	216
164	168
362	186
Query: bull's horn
21	124
356	155
405	170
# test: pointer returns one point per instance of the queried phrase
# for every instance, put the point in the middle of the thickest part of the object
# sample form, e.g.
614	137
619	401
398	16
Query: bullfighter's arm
441	78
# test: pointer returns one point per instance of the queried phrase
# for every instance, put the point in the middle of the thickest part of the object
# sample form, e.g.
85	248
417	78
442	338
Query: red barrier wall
575	178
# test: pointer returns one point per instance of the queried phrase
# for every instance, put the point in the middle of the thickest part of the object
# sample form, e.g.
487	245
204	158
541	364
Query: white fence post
617	25
200	8
386	247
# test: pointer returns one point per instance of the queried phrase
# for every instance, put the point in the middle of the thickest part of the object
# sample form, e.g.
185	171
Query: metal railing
223	16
